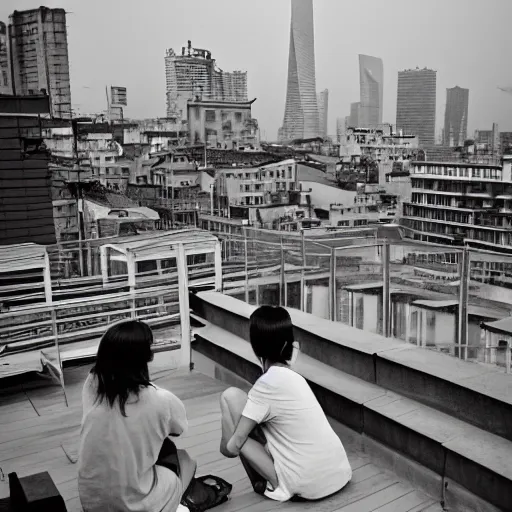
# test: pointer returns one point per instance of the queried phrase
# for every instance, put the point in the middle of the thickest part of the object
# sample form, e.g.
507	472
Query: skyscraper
341	127
301	111
5	87
416	104
355	113
371	83
323	111
39	56
456	116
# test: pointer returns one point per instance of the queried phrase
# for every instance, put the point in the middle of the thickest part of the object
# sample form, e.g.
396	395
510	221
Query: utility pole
79	200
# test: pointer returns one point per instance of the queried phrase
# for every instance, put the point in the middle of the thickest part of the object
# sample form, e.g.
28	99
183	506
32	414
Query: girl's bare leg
256	460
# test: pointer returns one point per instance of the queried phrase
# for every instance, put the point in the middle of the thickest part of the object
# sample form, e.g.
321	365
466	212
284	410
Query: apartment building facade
221	124
456	203
39	57
261	186
383	146
5	79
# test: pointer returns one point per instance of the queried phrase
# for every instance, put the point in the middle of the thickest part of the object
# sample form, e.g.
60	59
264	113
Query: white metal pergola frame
177	245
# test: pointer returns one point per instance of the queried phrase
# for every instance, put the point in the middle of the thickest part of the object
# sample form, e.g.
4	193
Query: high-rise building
416	104
355	111
371	83
5	82
39	57
323	111
194	74
301	111
341	127
456	117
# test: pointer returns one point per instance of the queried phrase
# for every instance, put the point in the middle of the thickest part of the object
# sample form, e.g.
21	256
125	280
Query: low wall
440	420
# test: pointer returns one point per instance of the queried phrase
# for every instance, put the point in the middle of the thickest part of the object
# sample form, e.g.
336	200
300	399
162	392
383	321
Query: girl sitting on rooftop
279	429
126	419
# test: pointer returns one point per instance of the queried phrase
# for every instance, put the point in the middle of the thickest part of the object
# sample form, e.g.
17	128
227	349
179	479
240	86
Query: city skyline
261	49
301	114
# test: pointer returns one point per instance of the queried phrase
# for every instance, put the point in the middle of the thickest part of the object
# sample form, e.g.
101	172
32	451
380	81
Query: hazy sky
123	42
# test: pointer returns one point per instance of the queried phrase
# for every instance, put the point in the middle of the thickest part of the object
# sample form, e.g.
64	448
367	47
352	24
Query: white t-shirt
309	458
116	466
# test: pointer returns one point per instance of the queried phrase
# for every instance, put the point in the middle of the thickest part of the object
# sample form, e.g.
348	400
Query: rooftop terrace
39	433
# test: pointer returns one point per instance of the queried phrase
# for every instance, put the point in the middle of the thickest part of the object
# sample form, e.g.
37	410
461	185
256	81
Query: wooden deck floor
39	433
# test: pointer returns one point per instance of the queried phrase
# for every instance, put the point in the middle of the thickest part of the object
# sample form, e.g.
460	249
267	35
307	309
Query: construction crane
508	90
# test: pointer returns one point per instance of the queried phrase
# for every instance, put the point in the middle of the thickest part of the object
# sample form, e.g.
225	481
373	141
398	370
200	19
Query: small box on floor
35	493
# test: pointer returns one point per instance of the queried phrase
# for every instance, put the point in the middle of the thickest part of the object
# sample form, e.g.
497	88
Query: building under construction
194	74
39	57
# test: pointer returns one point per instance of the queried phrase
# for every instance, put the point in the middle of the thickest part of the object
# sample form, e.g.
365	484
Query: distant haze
123	43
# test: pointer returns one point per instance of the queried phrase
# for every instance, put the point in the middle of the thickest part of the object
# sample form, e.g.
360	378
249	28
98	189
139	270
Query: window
210	116
4	76
109	158
238	117
126	171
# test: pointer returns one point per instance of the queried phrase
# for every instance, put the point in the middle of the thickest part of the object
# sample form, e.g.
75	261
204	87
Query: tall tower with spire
301	119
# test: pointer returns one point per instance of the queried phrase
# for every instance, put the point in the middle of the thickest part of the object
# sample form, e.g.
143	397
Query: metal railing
451	292
436	297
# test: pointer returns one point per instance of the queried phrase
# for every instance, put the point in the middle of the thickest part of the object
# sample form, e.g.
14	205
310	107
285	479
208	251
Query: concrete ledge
425	443
474	393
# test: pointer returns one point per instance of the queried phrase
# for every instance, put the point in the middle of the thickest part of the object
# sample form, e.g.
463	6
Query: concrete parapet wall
417	409
478	394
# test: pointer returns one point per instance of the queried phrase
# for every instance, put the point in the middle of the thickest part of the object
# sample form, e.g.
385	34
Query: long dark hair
122	362
271	334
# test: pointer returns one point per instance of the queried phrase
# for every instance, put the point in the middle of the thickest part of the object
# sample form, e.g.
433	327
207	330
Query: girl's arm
234	445
178	420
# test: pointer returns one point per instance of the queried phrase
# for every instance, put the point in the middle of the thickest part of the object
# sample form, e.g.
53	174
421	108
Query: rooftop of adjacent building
417	69
41	9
